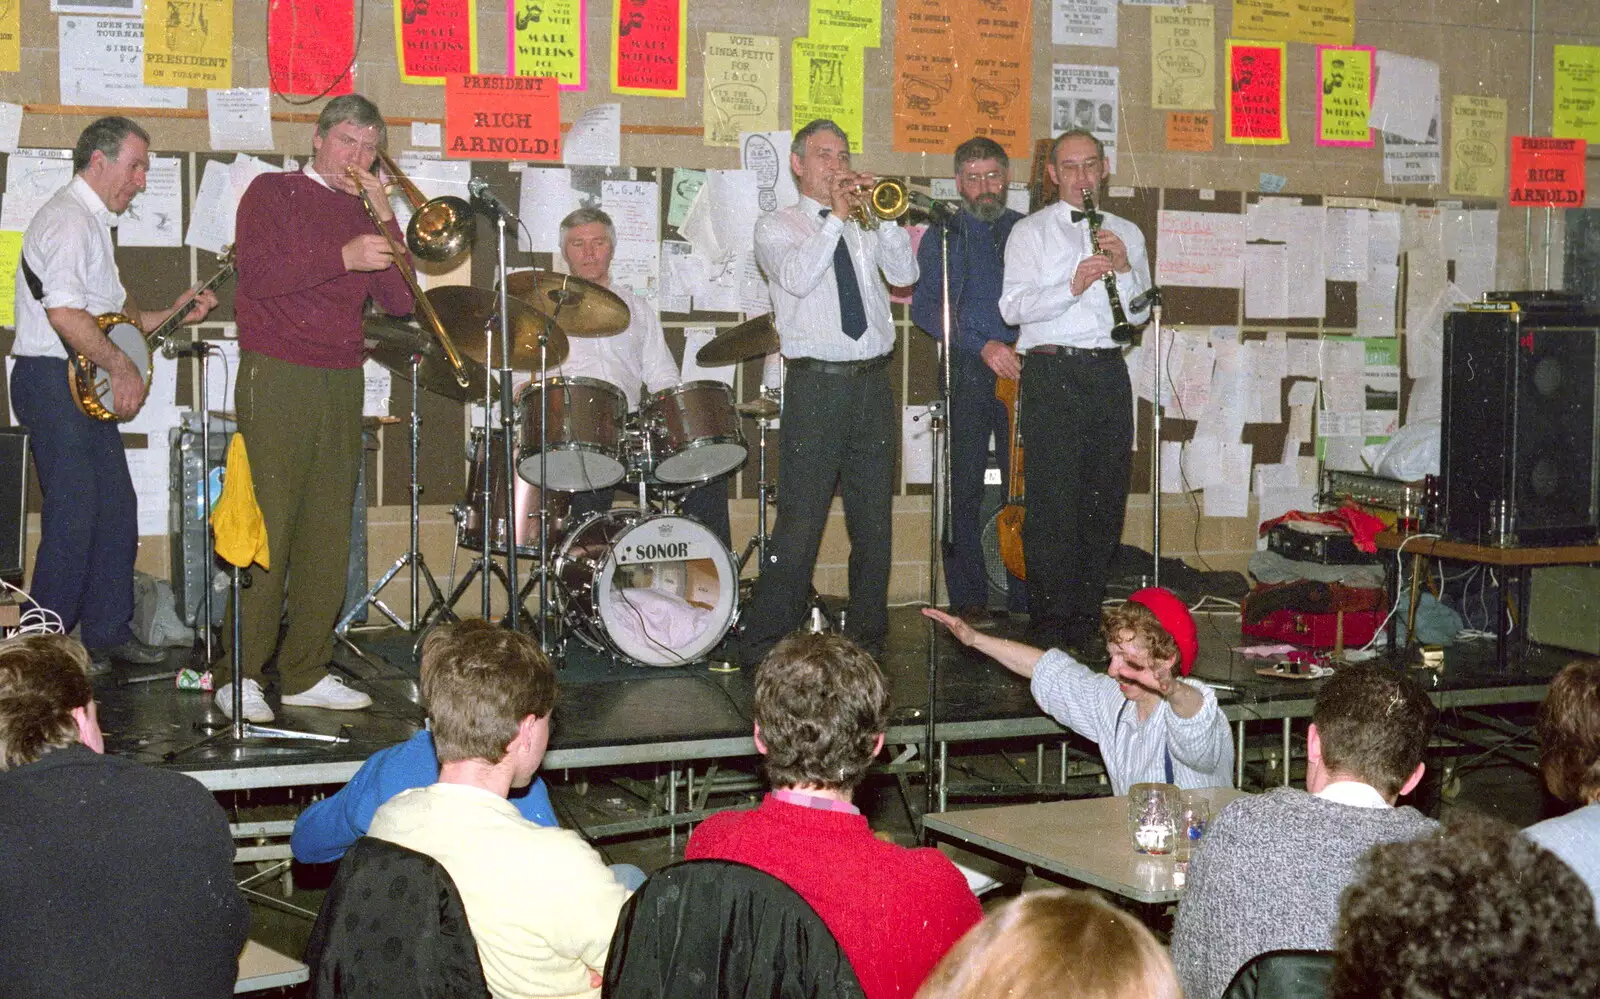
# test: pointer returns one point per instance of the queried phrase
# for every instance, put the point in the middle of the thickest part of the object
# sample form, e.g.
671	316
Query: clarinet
1121	330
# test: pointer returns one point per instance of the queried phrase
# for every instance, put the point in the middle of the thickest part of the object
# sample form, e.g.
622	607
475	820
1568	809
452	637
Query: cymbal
465	311
760	409
392	342
583	308
749	339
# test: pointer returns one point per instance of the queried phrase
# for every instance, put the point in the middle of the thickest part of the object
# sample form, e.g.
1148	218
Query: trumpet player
1075	396
827	276
309	259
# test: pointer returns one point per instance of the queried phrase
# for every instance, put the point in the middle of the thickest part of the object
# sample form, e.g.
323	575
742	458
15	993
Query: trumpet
887	199
431	233
1122	331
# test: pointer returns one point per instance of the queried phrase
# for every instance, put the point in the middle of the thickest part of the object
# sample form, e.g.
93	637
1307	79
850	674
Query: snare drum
584	433
699	430
525	524
659	590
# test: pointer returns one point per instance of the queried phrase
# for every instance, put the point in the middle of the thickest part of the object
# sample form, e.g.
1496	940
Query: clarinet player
1075	397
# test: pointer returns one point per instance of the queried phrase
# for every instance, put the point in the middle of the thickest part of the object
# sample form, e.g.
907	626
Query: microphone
1144	301
486	198
936	210
193	348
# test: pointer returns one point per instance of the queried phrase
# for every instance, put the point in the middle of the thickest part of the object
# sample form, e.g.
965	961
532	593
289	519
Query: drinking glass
1153	811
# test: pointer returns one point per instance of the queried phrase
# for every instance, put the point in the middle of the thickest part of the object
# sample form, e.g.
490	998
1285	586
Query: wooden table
1515	560
261	967
1085	840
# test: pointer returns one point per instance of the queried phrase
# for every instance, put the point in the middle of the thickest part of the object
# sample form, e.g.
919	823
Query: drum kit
649	584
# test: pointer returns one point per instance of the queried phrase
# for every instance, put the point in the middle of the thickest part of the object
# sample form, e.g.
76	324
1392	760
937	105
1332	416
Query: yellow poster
1321	22
1478	146
1183	57
852	22
549	38
188	43
741	86
10	36
1344	95
10	253
1577	93
827	83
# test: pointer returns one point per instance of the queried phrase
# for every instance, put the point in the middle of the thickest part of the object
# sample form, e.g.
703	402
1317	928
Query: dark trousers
302	430
975	415
836	429
708	504
89	524
1077	429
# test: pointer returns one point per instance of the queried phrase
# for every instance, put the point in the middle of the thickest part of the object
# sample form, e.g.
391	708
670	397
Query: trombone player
309	259
840	425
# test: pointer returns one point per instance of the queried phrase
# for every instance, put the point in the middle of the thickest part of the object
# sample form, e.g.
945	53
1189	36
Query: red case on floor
1315	630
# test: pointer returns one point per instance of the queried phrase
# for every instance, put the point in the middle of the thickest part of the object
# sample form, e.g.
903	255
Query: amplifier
1307	541
1372	491
13	503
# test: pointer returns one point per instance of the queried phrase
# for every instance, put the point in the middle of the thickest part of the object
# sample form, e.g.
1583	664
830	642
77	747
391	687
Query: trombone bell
441	229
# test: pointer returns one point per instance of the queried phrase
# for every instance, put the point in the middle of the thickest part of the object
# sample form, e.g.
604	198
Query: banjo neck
158	336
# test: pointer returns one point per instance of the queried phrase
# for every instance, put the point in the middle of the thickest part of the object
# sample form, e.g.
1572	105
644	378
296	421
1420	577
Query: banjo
91	387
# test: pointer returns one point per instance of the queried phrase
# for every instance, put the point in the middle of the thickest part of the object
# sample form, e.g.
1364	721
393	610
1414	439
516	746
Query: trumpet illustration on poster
992	99
530	13
921	92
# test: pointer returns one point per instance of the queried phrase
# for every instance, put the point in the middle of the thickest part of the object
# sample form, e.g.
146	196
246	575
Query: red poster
1255	94
647	47
502	118
311	46
435	38
1548	173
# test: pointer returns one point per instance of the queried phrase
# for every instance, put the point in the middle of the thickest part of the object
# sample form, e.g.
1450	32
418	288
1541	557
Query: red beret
1175	618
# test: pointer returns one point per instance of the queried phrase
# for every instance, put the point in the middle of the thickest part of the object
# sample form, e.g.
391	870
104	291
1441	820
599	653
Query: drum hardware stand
758	543
506	420
937	413
1154	297
413	556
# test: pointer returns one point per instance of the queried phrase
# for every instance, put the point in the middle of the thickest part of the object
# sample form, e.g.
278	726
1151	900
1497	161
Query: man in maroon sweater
309	259
821	710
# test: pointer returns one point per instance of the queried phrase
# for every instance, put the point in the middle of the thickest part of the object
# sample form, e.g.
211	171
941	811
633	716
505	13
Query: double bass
1008	519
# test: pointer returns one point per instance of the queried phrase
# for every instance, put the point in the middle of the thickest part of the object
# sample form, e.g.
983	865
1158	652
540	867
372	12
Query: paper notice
1406	100
30	182
1266	280
1183	63
694	338
426	134
1086	97
1346	241
155	216
10	126
596	137
1228	493
1409	162
765	155
240	118
1576	114
826	81
1172	467
916	444
1200	249
1477	146
189	43
148	468
1084	22
686	183
376	385
212	214
741	84
10	253
102	64
1375	301
546	198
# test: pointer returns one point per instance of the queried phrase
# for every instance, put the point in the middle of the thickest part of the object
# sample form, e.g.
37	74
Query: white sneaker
331	693
256	708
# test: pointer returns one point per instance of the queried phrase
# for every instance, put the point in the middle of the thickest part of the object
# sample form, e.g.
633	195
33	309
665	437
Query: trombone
440	230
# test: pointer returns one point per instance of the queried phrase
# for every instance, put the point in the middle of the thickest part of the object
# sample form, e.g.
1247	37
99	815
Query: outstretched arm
1014	656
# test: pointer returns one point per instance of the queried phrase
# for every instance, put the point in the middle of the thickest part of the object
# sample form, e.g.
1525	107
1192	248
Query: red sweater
895	911
295	301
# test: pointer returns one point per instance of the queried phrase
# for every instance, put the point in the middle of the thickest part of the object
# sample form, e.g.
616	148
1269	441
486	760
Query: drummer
635	359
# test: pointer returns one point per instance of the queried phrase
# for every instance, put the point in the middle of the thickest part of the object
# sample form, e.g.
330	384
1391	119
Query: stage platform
614	714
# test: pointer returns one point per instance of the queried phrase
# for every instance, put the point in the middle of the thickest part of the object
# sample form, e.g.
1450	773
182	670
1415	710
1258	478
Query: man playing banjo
67	277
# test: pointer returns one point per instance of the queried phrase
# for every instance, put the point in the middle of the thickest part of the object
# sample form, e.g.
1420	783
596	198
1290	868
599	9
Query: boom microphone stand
933	780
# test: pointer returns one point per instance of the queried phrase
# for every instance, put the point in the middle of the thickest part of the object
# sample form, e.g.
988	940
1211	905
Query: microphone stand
933	782
513	600
1154	295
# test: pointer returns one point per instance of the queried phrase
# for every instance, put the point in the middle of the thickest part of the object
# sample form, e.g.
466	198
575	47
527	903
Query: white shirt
1135	750
1042	255
68	245
795	247
636	356
1353	793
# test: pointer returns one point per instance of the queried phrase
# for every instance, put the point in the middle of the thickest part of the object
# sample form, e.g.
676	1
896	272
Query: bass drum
659	590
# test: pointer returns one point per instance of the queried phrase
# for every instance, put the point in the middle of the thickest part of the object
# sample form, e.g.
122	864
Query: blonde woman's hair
1055	944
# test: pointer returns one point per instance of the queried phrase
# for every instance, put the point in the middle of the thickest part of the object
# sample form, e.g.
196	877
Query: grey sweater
1268	876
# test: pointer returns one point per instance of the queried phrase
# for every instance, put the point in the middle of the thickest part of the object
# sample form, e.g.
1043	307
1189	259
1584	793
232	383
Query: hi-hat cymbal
466	311
760	409
752	338
583	308
392	342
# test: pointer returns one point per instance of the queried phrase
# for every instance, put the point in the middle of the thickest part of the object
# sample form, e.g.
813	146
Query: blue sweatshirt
977	271
328	828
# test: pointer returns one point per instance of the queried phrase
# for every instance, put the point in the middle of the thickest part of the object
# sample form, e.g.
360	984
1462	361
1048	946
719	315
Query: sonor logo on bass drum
674	552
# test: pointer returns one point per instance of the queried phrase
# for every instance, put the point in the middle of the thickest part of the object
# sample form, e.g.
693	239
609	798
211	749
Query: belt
846	368
1061	350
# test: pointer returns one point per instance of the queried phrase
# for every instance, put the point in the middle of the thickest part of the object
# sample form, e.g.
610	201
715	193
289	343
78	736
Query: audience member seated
1569	760
1475	910
541	903
1269	872
1175	733
116	879
1055	944
821	710
331	826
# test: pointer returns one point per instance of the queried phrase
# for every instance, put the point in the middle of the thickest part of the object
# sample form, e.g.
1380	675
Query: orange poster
962	68
502	118
1190	131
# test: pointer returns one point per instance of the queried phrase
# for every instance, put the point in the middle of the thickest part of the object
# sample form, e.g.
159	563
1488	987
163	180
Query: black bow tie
1078	216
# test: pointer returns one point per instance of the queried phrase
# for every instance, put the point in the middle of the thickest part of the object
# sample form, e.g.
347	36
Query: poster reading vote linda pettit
435	39
502	118
648	40
1255	94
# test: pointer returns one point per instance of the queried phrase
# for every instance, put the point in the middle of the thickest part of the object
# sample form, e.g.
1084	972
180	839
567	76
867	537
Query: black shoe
132	651
99	662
